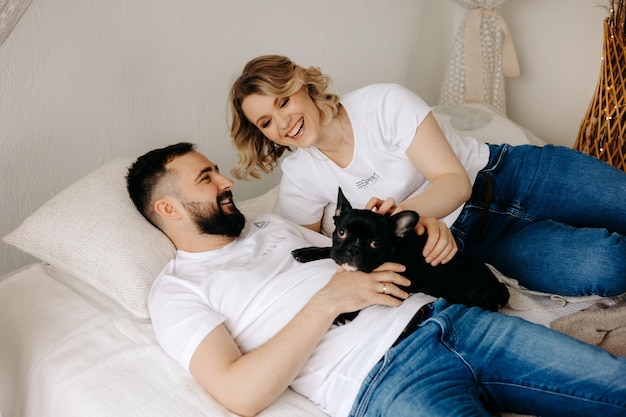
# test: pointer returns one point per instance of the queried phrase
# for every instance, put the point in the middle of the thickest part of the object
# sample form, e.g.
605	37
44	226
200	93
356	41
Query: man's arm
246	384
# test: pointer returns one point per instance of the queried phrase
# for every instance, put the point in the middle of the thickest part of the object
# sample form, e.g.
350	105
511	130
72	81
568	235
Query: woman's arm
248	383
433	156
449	188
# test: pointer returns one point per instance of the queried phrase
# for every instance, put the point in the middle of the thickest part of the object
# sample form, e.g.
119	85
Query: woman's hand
440	245
383	207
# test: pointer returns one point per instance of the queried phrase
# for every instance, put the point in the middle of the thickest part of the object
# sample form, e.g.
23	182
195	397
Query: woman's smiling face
289	121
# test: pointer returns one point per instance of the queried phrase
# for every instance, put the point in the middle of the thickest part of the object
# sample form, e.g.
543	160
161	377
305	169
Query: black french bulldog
363	240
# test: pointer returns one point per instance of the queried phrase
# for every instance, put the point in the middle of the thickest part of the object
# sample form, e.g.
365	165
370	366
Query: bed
75	332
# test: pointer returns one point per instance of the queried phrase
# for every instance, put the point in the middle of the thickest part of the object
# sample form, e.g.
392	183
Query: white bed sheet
66	350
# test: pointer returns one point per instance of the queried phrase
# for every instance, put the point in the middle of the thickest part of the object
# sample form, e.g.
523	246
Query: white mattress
66	350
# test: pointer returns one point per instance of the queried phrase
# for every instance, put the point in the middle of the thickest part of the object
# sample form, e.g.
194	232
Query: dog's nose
353	250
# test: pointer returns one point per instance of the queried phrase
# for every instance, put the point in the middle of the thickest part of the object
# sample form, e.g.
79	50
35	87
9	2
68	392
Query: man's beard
211	219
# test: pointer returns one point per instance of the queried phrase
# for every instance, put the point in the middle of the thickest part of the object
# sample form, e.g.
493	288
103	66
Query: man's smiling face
206	195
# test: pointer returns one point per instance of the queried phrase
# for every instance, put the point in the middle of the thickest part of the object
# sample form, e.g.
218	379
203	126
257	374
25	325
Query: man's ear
167	208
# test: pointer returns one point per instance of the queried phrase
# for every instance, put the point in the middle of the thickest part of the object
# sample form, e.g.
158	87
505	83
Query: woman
551	217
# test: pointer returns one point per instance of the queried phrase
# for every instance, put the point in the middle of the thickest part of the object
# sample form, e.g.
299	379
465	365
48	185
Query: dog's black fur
363	240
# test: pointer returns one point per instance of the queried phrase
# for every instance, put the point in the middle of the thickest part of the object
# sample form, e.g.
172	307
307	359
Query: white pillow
93	231
265	203
484	123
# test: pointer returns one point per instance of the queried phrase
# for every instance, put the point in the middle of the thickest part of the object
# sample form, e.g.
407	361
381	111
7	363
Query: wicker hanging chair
603	130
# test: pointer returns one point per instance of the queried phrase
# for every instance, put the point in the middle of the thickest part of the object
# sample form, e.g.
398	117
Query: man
248	321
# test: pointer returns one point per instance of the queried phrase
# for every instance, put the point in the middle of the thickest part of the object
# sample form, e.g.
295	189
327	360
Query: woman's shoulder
378	89
381	95
297	160
305	169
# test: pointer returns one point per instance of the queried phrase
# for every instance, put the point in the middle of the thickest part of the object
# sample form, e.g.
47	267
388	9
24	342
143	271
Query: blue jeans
466	362
550	217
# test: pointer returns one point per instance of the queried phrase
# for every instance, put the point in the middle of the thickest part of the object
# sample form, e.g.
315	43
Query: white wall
559	46
84	81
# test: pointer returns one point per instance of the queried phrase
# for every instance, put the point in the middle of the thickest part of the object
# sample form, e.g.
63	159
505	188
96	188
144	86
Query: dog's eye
341	233
374	244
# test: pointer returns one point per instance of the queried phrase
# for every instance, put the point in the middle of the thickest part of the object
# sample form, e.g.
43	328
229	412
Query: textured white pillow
485	123
93	231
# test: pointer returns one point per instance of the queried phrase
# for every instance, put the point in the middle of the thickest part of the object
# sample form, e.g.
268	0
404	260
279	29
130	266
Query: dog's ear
342	203
403	222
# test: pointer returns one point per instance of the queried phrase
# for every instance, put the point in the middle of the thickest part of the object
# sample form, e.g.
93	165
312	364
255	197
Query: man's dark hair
147	172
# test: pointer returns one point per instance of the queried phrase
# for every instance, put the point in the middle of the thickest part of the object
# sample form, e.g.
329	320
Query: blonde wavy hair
274	76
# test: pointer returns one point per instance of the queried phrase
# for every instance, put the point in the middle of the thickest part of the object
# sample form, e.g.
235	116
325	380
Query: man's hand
247	383
350	291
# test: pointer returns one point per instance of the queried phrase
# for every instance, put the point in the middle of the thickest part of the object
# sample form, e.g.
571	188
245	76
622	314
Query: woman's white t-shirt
255	287
384	119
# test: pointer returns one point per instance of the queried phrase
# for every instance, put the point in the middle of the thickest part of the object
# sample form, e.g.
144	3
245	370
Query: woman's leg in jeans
563	185
555	221
560	259
463	362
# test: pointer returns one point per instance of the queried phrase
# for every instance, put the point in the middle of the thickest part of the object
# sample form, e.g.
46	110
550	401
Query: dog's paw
312	253
300	255
344	318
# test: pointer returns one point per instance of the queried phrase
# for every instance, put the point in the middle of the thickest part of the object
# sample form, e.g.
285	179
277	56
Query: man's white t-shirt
384	119
255	287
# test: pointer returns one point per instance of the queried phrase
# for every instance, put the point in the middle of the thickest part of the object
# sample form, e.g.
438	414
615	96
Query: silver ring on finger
384	291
